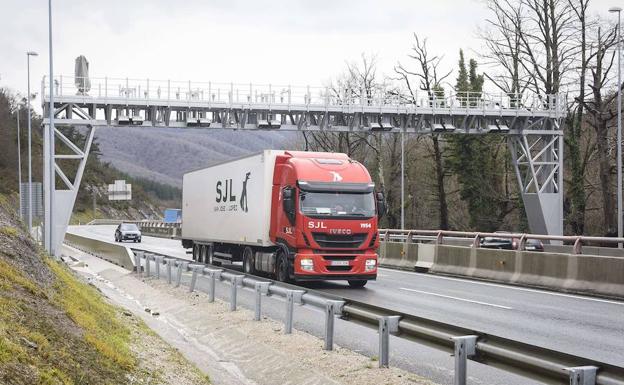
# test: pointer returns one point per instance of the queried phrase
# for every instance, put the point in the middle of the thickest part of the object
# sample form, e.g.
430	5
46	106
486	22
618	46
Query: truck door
287	216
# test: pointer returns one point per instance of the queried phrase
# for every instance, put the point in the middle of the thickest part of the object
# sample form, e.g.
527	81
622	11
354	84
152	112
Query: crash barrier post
235	281
182	266
332	309
465	347
260	288
213	275
387	325
196	269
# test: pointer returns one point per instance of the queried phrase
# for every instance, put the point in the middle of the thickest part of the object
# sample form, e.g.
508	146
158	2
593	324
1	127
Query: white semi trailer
294	215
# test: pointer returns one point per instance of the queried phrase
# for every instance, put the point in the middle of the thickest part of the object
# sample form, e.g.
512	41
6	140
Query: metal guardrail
436	236
133	91
527	360
577	241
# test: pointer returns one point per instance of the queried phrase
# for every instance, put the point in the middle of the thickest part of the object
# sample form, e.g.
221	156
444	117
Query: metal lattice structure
532	122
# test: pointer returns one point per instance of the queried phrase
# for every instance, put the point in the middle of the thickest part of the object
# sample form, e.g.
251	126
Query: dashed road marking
458	299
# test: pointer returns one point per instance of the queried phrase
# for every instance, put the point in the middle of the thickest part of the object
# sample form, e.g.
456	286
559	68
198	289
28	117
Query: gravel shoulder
229	346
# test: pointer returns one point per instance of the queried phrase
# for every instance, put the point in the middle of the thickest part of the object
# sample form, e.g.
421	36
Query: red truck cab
324	218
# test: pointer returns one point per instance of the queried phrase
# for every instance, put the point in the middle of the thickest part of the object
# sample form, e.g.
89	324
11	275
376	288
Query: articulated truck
296	216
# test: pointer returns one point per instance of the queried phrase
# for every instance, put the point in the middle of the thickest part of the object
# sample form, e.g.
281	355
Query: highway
579	325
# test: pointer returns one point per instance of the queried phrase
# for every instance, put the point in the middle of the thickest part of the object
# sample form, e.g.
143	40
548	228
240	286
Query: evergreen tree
462	87
475	159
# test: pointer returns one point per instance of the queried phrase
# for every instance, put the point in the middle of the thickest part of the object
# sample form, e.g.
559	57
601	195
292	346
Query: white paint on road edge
458	299
511	287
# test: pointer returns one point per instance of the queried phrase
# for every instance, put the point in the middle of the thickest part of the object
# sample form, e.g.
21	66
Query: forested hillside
165	154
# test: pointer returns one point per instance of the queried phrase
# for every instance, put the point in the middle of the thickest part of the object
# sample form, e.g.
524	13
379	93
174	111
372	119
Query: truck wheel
357	282
196	252
202	254
248	261
281	267
210	253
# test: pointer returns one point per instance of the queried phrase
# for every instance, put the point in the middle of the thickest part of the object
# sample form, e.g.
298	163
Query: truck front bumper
334	266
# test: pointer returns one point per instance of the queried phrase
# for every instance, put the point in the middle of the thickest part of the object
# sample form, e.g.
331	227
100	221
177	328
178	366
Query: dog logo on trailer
243	200
226	198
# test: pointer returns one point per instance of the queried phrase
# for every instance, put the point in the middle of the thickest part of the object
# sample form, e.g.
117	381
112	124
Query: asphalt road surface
585	326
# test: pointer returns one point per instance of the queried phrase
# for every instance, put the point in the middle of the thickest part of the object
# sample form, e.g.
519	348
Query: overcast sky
295	42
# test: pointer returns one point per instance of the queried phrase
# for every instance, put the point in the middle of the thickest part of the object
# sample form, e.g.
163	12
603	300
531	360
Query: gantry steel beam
531	122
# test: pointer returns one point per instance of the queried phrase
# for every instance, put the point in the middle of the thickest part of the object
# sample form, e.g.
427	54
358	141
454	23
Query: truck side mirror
288	202
381	205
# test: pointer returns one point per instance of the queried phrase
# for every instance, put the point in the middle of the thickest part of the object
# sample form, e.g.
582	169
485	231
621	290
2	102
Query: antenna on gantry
81	75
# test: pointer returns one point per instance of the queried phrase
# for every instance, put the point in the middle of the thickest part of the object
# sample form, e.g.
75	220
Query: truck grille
334	241
339	257
339	268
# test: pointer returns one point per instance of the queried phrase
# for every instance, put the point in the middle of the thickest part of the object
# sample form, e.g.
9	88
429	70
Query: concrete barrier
552	270
117	254
398	255
407	256
599	275
426	256
587	274
456	260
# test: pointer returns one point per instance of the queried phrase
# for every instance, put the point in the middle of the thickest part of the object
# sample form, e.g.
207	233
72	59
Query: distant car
128	231
511	244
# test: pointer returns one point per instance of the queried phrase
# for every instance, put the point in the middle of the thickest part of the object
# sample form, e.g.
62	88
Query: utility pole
402	180
619	127
94	191
19	162
49	161
28	55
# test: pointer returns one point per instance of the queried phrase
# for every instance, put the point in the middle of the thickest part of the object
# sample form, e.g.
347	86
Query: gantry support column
538	161
59	201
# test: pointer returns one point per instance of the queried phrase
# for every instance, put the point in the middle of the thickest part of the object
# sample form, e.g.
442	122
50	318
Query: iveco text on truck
295	215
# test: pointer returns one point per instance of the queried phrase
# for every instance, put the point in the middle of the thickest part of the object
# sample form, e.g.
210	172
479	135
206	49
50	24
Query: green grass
82	217
85	306
39	344
9	231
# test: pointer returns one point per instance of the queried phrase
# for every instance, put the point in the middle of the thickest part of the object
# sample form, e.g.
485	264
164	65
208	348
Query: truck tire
201	253
248	261
357	282
196	248
281	267
210	256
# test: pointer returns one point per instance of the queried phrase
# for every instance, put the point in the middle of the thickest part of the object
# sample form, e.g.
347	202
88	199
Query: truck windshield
338	204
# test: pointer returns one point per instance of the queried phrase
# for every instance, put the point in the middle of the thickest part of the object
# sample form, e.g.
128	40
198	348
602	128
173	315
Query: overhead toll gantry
532	122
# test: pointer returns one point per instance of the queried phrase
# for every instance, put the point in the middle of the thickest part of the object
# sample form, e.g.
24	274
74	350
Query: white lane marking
509	287
458	299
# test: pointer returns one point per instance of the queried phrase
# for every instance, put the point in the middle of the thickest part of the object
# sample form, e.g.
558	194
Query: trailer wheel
357	282
248	261
210	252
281	267
201	253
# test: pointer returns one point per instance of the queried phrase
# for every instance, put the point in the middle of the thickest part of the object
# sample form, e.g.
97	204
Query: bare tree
503	43
574	126
541	46
359	81
427	77
600	107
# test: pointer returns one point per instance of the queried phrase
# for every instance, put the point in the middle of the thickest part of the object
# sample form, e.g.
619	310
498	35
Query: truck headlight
371	264
307	264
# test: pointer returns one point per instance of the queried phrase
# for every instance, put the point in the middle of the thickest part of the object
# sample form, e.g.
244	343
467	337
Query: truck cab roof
320	167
